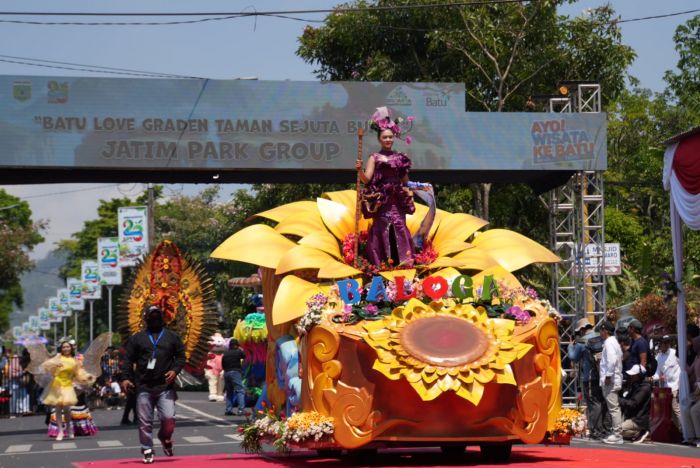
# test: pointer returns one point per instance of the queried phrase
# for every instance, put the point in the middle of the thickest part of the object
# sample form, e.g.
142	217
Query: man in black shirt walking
158	355
231	362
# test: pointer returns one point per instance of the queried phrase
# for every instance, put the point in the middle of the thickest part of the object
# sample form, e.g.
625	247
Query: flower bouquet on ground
570	422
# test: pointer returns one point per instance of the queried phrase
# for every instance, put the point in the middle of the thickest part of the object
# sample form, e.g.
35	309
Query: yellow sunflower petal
499	273
512	250
302	257
322	240
390	371
336	269
427	392
338	218
456	226
449	274
475	259
290	209
522	349
390	275
505	376
301	224
450	246
442	262
347	198
291	297
413	220
258	244
476	390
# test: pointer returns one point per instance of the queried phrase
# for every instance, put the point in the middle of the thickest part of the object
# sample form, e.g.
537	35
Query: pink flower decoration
408	139
410	118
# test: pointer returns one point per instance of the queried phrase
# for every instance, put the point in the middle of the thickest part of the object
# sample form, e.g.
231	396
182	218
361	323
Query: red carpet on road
522	456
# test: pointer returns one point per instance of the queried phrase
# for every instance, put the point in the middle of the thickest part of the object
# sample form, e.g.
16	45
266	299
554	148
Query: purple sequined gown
387	204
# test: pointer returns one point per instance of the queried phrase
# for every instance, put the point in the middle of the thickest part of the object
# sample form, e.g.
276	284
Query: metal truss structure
577	236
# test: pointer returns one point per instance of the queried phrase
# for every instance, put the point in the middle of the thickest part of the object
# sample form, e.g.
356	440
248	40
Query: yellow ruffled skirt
60	395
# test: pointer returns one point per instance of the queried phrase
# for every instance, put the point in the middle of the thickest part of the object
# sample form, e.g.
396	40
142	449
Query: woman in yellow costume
60	393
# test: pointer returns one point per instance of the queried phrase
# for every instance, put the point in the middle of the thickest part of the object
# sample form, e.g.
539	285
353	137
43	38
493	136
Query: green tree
637	212
503	53
18	235
684	84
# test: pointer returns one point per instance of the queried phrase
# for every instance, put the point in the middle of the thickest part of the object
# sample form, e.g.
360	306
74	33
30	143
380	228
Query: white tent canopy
682	178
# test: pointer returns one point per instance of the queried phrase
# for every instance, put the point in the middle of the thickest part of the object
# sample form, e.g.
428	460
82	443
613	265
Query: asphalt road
201	429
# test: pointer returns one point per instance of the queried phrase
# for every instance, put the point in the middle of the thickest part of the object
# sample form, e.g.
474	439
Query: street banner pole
65	332
55	335
109	307
92	302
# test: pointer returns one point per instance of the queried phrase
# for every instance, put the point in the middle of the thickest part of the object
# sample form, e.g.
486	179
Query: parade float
450	352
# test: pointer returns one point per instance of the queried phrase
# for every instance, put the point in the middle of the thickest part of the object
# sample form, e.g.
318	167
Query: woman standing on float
386	198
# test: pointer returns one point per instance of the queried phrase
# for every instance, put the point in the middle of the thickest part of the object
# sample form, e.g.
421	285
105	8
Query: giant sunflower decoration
308	237
444	347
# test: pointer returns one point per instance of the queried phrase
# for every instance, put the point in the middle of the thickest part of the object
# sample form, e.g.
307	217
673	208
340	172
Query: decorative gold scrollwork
323	370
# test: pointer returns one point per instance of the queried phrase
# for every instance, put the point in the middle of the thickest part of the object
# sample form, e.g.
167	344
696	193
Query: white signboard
44	321
34	323
108	259
17	331
613	265
55	309
133	234
63	295
90	277
75	300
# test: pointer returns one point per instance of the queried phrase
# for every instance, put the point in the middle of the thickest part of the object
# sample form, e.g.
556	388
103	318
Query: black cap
665	339
152	309
607	326
636	324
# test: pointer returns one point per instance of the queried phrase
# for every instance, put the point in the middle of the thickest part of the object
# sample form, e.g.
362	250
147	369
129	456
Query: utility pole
151	215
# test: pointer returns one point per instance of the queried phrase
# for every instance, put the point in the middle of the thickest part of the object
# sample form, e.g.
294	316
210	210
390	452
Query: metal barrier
18	392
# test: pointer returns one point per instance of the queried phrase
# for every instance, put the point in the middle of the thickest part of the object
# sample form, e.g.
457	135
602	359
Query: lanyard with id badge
152	362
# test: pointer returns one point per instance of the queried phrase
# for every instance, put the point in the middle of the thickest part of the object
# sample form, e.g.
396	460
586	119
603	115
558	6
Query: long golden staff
358	210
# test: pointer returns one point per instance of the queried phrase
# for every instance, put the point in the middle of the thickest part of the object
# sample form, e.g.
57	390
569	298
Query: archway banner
197	125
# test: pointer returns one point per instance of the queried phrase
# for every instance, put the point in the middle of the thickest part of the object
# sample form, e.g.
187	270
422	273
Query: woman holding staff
386	198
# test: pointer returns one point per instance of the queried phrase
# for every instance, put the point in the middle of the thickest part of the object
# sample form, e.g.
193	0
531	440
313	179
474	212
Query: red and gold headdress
182	290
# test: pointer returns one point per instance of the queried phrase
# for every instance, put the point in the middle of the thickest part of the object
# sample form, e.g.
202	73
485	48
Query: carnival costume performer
386	198
59	374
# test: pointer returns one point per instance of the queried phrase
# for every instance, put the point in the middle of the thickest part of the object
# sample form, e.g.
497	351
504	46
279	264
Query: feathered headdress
381	120
180	288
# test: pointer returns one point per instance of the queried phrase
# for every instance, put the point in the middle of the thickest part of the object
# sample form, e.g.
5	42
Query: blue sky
262	48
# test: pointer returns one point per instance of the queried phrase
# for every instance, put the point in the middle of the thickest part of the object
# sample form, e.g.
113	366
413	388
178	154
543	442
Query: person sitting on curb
635	402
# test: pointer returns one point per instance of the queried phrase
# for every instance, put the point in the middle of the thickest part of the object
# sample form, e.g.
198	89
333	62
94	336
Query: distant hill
38	285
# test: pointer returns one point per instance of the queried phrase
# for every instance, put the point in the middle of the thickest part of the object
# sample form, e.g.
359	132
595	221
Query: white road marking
64	445
197	439
234	436
135	447
18	448
109	443
201	413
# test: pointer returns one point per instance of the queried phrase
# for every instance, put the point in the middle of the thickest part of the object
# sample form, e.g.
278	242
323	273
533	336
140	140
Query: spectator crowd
622	373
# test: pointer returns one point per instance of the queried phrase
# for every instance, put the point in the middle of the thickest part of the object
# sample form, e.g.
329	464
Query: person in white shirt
611	379
668	375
